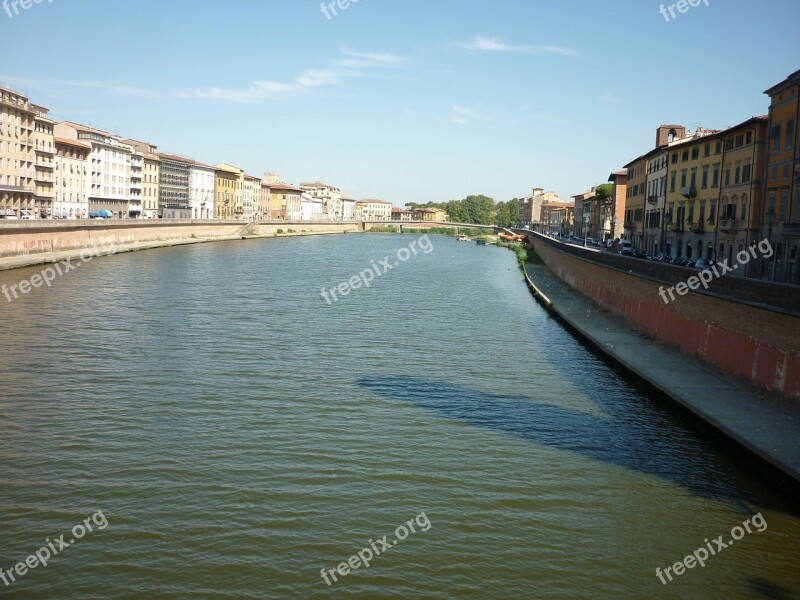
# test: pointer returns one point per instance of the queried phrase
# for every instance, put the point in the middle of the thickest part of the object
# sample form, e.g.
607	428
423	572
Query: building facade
109	186
44	149
17	156
348	209
781	213
331	197
251	197
741	191
174	189
310	208
137	178
614	212
401	214
375	210
286	204
71	183
424	214
636	190
202	190
228	189
151	165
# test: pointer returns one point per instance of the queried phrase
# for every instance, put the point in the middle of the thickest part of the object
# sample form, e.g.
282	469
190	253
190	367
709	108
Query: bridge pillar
401	228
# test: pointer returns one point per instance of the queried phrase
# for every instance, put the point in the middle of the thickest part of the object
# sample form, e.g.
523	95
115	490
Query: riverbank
42	258
27	243
767	426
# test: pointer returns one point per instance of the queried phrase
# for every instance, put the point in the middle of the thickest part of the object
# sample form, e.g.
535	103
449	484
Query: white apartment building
71	169
310	208
348	208
331	198
137	172
373	210
202	191
109	184
251	197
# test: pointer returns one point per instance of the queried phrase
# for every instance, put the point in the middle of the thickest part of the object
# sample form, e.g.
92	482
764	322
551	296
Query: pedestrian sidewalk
766	427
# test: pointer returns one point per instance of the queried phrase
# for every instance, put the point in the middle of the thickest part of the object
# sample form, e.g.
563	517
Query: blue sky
406	100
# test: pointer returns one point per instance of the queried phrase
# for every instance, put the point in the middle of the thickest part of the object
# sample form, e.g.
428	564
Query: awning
25	211
10	212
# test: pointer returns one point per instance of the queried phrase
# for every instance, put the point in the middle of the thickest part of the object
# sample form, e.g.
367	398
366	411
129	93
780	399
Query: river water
232	434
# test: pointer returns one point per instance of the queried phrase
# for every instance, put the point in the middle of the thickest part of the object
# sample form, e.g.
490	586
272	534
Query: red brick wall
760	346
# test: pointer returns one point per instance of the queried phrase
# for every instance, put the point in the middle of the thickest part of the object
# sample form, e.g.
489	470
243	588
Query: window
672	182
784	204
749	137
776	137
707	150
694	177
705	175
729	144
718	148
683	178
685	156
675	158
786	171
774	176
746	173
736	175
728	176
740	140
695	152
789	134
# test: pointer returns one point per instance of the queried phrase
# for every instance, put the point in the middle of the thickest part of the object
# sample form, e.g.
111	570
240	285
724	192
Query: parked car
703	263
9	217
626	247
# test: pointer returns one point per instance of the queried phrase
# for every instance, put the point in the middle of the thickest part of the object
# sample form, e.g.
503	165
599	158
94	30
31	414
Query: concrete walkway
769	428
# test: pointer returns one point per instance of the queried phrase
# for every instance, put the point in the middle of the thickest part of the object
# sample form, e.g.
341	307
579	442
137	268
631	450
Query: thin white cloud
352	65
465	115
485	44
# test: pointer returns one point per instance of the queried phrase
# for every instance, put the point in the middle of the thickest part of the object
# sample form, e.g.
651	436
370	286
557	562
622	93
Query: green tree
604	192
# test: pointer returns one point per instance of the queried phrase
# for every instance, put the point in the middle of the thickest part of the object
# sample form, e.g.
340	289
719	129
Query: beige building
251	197
228	190
71	179
373	210
429	214
331	198
17	157
44	149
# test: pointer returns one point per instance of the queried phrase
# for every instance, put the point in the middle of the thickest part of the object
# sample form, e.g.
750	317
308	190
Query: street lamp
771	221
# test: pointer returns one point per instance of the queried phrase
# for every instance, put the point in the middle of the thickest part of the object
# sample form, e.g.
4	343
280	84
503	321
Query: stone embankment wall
748	340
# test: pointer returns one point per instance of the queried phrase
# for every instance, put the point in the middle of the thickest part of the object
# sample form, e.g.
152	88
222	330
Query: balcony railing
652	199
792	229
698	227
689	192
677	227
729	224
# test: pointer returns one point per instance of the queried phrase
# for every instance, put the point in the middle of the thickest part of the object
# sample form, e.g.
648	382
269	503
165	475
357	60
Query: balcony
698	227
730	224
652	199
689	192
45	177
791	229
677	227
628	225
25	189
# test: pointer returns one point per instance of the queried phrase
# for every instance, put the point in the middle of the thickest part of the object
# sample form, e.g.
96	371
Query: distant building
71	179
401	214
228	189
109	168
202	190
310	208
430	214
44	148
557	218
373	210
174	192
150	173
613	214
780	219
251	197
348	208
331	197
530	207
17	171
286	203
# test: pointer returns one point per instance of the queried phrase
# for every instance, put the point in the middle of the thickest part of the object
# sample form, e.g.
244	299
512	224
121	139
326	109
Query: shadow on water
766	589
639	437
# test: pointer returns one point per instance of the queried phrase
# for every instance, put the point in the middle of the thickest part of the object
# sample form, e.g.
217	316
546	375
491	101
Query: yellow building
694	166
285	202
228	192
741	191
17	157
71	179
373	210
781	217
44	149
429	214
